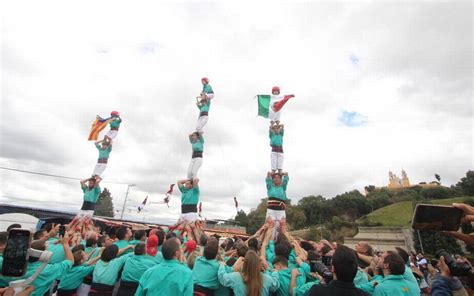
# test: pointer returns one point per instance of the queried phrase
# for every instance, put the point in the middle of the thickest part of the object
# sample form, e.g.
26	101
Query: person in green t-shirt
275	133
91	195
134	268
104	152
207	91
197	142
203	105
189	200
114	126
276	193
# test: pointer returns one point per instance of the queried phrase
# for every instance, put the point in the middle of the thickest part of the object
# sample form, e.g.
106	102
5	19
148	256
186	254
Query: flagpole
125	201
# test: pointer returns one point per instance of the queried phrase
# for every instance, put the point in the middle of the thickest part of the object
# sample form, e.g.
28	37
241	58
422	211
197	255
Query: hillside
401	213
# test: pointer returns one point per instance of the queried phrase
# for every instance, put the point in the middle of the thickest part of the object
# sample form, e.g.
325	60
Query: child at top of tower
276	133
114	126
207	91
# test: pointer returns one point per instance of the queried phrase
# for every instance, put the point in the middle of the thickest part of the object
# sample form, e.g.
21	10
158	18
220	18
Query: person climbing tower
104	151
197	143
207	91
276	133
203	103
276	193
269	106
91	195
189	200
114	126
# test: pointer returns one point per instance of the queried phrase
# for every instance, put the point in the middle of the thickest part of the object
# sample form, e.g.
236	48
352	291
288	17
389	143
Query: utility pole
421	244
125	201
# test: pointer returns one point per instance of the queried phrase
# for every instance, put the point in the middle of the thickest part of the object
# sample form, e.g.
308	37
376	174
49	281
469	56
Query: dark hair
169	248
403	254
344	261
37	245
395	263
282	249
211	249
140	249
161	237
325	249
48	227
312	256
229	245
90	242
109	253
204	239
77	257
139	234
3	237
101	240
170	235
38	234
307	246
370	250
253	244
15	225
241	249
280	260
121	232
78	247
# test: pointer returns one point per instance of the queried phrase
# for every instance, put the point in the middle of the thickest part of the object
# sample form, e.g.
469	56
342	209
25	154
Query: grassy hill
401	213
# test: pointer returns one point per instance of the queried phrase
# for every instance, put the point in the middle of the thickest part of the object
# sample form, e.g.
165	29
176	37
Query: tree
434	241
295	216
467	184
104	206
242	218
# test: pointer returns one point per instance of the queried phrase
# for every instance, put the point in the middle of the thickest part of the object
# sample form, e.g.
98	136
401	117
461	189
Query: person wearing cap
104	153
152	251
114	126
276	192
277	102
207	91
189	200
275	133
197	143
170	277
134	268
91	195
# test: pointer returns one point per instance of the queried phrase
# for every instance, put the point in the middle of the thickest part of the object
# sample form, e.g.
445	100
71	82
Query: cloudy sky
379	87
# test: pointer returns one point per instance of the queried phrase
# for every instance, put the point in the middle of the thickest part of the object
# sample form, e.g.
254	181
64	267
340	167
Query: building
395	183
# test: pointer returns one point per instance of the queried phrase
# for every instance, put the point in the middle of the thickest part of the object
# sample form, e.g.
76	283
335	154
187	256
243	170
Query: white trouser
82	214
274	116
276	216
99	169
210	96
83	290
194	166
202	121
188	218
112	134
277	161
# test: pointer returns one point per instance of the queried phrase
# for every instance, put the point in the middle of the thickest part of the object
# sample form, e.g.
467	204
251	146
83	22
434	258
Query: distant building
395	182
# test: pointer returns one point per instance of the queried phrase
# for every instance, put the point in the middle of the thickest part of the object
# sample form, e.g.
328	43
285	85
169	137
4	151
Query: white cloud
62	65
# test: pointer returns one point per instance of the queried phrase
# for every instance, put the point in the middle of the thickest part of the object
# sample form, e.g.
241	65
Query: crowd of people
184	260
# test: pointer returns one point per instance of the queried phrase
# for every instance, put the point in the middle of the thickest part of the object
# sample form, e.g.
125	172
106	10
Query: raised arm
97	181
195	182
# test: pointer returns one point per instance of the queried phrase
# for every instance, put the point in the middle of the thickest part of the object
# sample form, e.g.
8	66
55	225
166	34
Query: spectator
139	237
344	269
393	283
169	277
365	254
123	235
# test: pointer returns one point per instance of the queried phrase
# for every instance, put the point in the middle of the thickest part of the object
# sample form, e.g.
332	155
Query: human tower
269	106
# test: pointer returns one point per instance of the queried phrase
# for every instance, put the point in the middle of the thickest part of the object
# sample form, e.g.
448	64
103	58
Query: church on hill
395	183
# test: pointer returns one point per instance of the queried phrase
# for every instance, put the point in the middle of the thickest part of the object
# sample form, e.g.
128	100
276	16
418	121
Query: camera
322	270
455	268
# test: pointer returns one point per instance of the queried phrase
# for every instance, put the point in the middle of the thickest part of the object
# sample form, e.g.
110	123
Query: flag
200	208
236	203
97	126
168	195
140	207
268	104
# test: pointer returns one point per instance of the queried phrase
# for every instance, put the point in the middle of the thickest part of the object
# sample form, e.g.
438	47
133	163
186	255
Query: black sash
189	209
88	206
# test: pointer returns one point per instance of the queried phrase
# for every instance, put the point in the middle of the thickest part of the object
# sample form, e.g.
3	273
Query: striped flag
140	207
270	104
97	126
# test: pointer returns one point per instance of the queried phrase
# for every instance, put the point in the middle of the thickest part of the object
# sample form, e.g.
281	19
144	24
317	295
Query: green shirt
116	122
204	107
104	153
396	285
189	196
135	267
58	251
198	145
361	277
91	195
123	244
207	88
107	272
168	278
278	192
47	276
72	279
276	139
284	277
205	273
234	281
92	252
135	242
303	290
